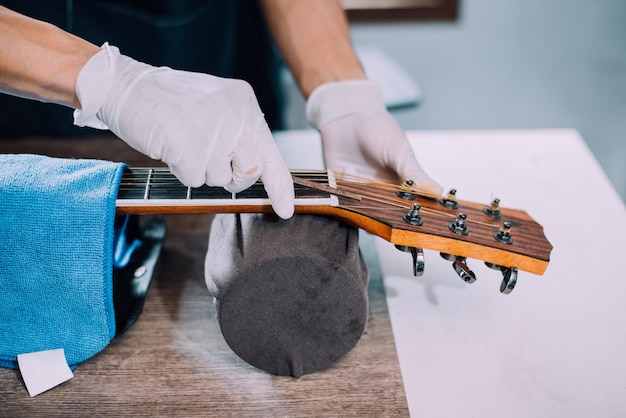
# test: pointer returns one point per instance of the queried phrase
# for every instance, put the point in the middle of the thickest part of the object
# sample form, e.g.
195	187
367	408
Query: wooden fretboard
157	190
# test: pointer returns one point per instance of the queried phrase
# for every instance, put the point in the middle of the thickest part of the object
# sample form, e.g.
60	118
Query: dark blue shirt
226	38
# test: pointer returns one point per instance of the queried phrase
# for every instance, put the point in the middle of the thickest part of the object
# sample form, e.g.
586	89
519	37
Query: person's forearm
314	40
40	61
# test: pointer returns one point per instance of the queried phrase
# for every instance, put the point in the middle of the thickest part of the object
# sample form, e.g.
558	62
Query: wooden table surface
174	361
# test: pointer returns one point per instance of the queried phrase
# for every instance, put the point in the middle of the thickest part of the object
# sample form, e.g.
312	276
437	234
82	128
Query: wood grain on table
175	362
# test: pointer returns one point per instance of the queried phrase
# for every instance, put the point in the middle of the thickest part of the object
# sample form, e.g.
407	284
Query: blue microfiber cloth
56	249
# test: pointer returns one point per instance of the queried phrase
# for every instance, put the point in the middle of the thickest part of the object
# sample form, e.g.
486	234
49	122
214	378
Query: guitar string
163	177
169	179
393	188
399	203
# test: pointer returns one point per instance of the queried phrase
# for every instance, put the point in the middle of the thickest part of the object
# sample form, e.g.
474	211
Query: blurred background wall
513	65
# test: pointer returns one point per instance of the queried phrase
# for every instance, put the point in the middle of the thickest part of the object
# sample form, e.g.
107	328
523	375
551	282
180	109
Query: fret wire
147	191
158	183
162	176
166	175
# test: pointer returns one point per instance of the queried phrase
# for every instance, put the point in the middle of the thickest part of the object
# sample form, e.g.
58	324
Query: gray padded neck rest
291	296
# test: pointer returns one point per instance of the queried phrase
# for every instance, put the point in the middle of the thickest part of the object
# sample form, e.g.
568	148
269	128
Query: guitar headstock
505	239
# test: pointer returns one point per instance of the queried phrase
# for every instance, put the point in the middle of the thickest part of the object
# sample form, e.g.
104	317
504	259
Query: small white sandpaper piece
43	370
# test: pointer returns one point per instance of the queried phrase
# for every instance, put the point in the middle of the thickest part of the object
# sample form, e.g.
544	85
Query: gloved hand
360	137
206	129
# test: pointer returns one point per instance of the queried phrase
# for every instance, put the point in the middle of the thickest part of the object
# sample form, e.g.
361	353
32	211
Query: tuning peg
509	277
405	190
504	234
450	200
418	258
460	266
459	226
493	209
509	280
413	216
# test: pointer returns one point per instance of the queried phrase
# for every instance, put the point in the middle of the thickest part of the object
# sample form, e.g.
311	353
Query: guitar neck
158	191
378	208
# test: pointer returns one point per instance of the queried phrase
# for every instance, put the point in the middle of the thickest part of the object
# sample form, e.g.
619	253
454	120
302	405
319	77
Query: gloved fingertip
285	210
438	190
240	184
280	190
277	179
193	184
219	174
410	169
430	186
188	179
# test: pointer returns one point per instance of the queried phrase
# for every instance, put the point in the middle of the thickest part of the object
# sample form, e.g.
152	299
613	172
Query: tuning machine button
460	267
413	216
504	234
459	226
493	209
418	258
450	200
406	190
509	277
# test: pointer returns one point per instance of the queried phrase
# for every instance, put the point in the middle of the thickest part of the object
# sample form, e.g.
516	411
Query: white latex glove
360	137
206	129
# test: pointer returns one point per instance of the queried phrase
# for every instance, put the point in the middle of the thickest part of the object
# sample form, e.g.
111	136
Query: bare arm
40	61
314	39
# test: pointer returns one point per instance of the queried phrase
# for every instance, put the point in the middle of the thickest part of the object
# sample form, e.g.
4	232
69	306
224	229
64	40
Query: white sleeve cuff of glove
93	86
334	100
